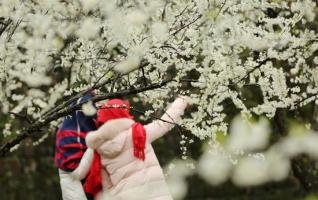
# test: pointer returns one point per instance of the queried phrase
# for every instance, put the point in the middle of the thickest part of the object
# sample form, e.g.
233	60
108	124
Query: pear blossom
250	171
128	65
248	136
215	169
89	4
88	29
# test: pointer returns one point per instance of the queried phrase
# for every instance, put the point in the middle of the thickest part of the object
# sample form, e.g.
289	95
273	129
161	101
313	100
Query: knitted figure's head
113	109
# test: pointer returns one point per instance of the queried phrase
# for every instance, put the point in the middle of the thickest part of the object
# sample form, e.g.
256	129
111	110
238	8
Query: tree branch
35	127
24	117
4	24
13	30
186	25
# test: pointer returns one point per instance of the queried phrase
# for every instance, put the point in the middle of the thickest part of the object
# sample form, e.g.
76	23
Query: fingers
186	99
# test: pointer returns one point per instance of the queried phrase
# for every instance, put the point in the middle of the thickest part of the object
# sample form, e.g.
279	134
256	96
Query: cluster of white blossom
245	157
213	50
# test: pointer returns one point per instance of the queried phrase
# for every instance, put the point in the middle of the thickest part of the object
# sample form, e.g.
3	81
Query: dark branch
14	29
186	25
298	103
4	24
35	127
24	117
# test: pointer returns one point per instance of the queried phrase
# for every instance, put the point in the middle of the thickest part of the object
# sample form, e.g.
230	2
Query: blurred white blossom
278	165
250	171
177	171
178	187
127	65
136	17
300	141
248	136
36	80
88	29
215	168
160	31
89	4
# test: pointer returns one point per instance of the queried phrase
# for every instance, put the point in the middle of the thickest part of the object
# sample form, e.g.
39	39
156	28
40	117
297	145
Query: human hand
186	99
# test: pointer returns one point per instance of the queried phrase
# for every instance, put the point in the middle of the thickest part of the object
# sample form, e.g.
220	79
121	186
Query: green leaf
109	75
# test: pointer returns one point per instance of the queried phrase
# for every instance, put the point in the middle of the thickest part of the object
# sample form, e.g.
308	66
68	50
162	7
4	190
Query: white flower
176	173
160	31
136	17
89	4
294	71
88	29
248	136
250	171
278	166
14	148
36	80
108	7
300	140
17	97
305	7
310	143
40	103
298	144
214	168
178	168
127	65
177	187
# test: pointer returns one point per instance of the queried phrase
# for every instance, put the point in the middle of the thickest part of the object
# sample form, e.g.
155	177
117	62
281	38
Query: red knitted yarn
113	109
93	182
139	140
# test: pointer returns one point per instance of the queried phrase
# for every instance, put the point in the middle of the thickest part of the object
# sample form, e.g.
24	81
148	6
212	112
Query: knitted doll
126	154
70	149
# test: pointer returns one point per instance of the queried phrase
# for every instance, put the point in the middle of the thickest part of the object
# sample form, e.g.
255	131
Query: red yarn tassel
93	182
139	140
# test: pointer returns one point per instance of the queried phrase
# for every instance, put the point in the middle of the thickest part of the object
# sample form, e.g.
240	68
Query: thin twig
222	6
298	103
21	116
143	76
153	116
13	30
187	25
35	127
5	25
